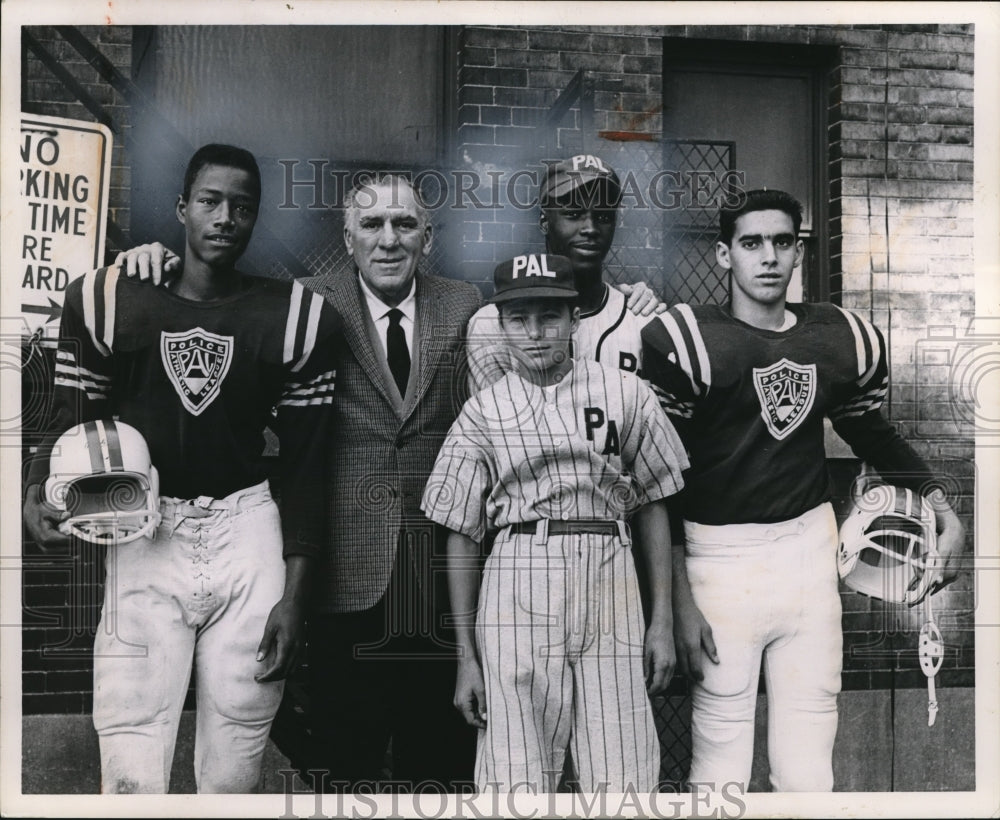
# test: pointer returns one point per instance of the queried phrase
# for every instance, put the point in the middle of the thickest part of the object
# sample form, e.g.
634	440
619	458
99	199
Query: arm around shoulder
153	261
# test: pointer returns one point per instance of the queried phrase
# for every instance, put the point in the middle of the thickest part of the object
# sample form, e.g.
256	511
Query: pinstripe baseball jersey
201	381
749	404
609	335
596	445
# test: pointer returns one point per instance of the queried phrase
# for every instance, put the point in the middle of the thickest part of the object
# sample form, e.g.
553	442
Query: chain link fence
668	223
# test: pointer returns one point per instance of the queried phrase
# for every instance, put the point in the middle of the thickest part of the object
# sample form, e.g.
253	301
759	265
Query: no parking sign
64	183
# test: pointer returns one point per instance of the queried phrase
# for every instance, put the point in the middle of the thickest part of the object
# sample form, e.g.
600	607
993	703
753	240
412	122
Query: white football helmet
101	473
888	545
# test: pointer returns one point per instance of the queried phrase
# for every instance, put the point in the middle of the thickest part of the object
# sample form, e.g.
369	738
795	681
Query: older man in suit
381	656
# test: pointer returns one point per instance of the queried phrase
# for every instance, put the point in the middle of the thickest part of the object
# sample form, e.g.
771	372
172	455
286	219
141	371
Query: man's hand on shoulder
642	299
153	261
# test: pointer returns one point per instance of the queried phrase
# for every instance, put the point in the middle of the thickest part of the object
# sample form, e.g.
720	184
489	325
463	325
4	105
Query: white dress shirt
379	311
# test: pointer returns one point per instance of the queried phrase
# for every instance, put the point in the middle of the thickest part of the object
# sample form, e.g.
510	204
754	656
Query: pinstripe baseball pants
199	593
769	591
560	633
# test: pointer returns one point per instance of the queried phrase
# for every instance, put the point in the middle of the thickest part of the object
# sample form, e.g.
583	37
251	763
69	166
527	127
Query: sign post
65	179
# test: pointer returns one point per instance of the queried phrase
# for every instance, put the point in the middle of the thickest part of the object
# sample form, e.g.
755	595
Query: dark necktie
396	351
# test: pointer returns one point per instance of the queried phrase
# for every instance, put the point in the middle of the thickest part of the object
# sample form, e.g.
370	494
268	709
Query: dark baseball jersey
596	445
749	404
201	381
609	335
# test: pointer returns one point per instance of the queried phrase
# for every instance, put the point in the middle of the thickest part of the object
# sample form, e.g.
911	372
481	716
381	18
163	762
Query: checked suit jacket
384	447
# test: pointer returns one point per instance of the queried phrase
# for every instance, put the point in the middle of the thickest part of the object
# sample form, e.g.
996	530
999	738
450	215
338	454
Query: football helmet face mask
100	472
888	544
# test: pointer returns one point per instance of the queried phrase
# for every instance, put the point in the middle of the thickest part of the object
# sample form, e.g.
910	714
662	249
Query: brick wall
43	93
911	157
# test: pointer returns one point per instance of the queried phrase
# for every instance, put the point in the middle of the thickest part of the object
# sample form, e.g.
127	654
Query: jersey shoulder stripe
681	326
697	342
99	293
68	373
872	400
671	404
318	390
866	344
301	326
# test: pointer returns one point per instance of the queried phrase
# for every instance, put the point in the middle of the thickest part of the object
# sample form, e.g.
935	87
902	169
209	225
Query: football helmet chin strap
930	650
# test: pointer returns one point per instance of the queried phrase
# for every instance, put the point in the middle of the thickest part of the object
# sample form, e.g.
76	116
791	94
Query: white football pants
200	592
768	591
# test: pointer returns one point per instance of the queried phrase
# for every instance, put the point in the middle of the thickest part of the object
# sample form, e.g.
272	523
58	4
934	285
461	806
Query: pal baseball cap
569	175
534	275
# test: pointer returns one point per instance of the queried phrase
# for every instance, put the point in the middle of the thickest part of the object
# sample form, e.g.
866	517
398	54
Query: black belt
570	526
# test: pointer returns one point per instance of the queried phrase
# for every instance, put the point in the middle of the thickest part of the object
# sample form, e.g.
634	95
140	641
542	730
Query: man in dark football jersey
748	386
200	369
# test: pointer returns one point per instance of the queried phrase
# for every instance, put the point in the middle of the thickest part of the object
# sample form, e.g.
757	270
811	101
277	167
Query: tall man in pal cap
579	198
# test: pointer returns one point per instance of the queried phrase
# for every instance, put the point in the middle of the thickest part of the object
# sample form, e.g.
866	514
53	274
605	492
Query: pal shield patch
196	362
786	391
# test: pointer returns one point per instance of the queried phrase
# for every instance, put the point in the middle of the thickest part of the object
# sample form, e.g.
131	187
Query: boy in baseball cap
553	458
536	298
